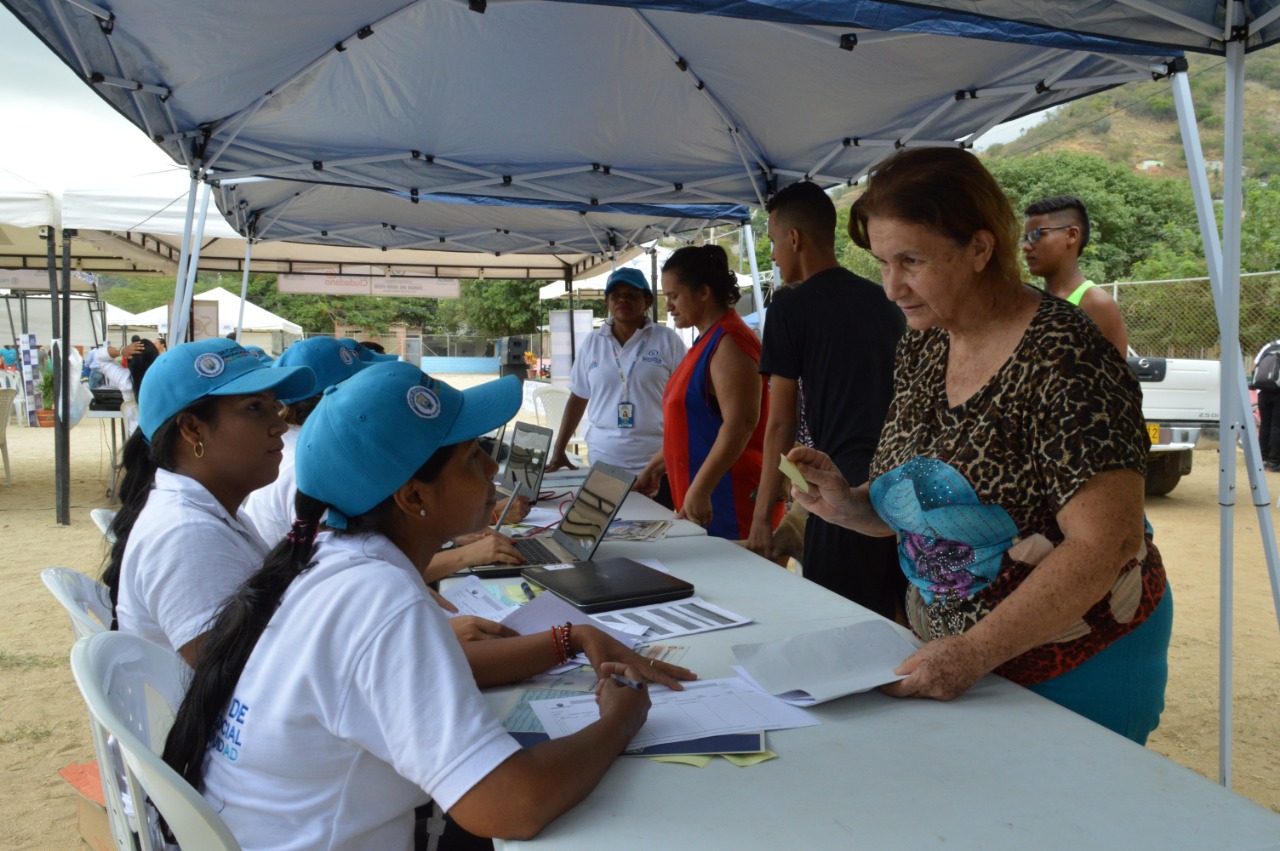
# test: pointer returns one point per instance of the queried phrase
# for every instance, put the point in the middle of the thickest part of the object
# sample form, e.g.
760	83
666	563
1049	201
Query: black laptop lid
610	583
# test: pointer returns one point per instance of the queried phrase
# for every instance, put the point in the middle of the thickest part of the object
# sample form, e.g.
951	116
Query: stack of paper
705	708
819	666
637	530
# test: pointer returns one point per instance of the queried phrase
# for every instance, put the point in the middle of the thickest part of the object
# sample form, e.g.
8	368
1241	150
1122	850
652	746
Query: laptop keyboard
535	552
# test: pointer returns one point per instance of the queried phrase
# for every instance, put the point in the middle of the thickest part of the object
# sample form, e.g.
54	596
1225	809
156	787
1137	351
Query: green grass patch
26	734
29	661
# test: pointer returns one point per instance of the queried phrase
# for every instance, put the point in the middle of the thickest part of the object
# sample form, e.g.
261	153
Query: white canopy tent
255	320
510	98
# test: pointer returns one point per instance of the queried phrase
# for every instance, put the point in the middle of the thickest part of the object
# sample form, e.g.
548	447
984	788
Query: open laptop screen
530	446
592	510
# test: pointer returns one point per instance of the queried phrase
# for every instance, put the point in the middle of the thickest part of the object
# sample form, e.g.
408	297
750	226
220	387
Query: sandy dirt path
42	725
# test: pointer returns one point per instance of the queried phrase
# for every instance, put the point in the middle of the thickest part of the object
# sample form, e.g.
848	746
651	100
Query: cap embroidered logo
348	356
423	402
209	365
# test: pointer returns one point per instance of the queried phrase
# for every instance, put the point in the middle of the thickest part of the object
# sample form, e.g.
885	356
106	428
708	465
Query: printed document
704	708
819	666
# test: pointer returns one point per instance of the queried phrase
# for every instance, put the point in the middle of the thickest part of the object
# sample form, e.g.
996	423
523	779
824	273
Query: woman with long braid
329	728
208	435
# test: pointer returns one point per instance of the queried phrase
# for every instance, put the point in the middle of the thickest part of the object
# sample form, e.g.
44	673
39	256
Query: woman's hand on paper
602	648
942	669
620	703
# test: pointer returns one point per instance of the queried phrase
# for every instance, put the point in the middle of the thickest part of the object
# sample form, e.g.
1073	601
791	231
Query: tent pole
1232	374
1213	253
755	278
244	290
13	332
568	285
62	385
184	255
193	266
653	280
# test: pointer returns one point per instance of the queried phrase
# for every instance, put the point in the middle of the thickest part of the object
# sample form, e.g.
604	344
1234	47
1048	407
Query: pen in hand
628	682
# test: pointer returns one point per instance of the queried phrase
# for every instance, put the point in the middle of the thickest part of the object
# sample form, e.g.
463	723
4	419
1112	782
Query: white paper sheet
818	666
537	518
471	598
705	708
547	610
669	620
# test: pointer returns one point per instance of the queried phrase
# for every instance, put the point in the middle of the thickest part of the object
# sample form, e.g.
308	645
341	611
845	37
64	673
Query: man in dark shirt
837	332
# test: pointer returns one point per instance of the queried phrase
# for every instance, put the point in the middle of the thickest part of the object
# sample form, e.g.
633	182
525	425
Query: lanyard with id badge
627	409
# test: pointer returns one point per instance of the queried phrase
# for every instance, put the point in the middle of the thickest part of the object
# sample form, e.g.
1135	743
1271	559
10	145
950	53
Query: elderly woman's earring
199	449
422	512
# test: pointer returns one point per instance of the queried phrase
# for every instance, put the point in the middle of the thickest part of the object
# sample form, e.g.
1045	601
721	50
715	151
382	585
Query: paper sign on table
817	666
668	620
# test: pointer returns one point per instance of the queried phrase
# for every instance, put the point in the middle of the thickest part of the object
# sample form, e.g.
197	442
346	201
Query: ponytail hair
237	627
141	460
699	267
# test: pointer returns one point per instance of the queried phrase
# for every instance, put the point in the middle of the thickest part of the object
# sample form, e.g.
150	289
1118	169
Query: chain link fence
1176	319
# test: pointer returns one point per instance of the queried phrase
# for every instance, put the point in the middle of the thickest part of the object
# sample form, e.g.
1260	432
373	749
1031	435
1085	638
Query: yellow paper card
792	472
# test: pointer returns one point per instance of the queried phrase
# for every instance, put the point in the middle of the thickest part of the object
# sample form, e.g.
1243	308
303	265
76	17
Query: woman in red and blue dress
715	405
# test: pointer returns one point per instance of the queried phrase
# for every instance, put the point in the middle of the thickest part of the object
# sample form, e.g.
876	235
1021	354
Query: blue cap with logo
365	353
215	367
628	275
329	359
261	354
372	432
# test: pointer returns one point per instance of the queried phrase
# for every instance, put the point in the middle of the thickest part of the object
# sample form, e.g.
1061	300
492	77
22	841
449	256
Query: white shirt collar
193	493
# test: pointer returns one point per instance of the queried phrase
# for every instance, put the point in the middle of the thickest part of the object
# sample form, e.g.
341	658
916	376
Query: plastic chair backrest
549	402
102	518
88	603
86	600
133	689
7	396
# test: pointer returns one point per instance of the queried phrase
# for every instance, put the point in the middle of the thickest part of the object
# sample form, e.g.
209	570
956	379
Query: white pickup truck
1180	399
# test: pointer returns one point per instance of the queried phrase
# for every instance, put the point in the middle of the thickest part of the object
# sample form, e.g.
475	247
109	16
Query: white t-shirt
356	704
597	373
186	555
272	507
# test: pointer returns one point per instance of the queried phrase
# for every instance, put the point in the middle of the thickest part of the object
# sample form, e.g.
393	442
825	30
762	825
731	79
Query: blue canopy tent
680	101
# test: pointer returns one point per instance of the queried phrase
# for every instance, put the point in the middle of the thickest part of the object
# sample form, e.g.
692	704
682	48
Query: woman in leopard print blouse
1011	466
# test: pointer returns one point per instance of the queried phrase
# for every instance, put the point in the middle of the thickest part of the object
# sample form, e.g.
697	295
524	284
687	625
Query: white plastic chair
6	399
102	518
88	603
12	380
549	402
133	689
86	600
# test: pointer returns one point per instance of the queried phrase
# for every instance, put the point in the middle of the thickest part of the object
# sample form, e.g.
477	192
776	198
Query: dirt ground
42	719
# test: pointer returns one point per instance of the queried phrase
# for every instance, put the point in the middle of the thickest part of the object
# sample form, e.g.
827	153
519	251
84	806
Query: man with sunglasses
1054	235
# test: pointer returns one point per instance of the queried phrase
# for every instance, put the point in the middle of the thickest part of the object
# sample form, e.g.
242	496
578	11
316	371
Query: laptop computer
529	450
610	583
582	529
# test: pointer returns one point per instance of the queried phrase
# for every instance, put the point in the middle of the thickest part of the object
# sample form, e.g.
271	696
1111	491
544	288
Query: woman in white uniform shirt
328	728
208	435
621	370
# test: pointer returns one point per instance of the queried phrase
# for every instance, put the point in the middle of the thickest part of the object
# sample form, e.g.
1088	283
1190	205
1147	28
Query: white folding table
998	768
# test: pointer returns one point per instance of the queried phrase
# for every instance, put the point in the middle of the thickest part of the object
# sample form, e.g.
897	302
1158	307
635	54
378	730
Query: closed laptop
608	583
